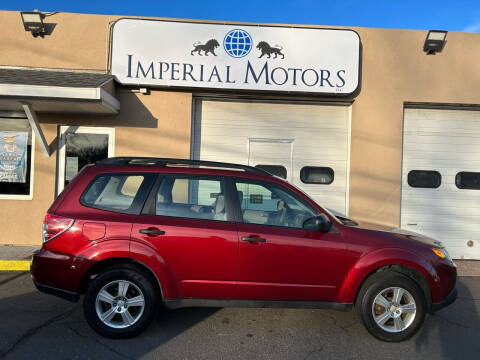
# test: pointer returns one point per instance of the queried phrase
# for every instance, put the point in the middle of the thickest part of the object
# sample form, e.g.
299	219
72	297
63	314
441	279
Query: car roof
191	166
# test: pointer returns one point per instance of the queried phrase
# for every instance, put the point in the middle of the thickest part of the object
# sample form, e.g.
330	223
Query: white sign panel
235	57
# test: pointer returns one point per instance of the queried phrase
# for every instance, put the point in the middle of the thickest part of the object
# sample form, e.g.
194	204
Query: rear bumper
64	294
450	299
58	274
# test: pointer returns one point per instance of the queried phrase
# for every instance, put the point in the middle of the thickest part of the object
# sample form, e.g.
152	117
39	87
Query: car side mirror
319	223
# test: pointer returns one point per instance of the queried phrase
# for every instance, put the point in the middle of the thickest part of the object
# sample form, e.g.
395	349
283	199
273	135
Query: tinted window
317	175
114	192
277	170
424	179
270	204
190	197
468	180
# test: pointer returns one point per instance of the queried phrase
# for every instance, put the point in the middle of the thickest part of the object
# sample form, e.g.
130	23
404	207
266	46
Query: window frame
32	167
149	207
425	187
139	199
238	205
304	168
465	172
62	136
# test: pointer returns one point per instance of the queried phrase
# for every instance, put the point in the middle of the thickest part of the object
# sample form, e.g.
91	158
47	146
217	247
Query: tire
106	296
396	320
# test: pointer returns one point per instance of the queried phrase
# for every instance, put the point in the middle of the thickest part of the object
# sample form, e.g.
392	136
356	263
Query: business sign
235	57
13	155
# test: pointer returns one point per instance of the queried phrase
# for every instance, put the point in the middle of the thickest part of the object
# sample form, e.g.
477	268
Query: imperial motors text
266	74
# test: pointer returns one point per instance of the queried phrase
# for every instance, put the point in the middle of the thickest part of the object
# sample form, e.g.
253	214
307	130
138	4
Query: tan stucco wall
394	70
148	125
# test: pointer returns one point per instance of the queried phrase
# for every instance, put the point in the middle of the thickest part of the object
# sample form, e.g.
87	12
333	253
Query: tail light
54	226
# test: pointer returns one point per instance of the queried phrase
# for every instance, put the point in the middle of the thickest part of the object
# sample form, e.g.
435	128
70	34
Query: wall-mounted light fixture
33	22
435	41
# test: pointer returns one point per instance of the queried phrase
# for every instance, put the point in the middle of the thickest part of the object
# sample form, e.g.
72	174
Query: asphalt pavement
38	326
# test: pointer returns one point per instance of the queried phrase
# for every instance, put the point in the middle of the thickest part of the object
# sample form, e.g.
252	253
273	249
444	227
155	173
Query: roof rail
129	160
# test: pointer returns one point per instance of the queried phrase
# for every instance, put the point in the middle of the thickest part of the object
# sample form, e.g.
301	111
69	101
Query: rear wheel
391	306
120	302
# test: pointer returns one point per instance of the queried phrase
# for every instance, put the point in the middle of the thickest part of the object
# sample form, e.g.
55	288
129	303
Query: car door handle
152	232
253	239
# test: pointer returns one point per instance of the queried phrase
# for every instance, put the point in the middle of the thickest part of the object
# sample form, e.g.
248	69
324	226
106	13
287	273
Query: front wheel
120	302
391	306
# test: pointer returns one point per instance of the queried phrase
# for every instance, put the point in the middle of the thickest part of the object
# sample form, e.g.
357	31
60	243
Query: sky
452	15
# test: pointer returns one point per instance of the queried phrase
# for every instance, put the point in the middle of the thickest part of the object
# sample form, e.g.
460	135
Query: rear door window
191	197
123	193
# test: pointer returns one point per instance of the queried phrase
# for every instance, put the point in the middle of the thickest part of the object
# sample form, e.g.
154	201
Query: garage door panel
319	136
447	141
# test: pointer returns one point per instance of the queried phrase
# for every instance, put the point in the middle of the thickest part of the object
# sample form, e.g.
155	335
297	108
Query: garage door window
424	179
277	170
468	180
317	175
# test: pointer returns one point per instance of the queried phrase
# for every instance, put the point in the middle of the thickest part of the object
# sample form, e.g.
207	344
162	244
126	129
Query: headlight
442	253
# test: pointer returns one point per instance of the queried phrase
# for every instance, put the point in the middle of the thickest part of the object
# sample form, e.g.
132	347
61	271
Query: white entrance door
441	178
79	146
309	140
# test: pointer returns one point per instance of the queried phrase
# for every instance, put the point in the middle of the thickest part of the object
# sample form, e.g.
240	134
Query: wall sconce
435	41
33	22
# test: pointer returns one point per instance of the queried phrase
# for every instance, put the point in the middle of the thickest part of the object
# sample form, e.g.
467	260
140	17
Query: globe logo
237	43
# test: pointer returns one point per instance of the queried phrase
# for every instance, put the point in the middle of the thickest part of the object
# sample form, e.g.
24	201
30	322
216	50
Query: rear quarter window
117	192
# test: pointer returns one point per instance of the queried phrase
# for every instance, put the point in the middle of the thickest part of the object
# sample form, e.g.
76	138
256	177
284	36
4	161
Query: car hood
411	235
396	232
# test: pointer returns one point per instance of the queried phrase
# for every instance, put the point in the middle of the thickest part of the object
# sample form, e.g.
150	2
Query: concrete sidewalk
18	258
11	252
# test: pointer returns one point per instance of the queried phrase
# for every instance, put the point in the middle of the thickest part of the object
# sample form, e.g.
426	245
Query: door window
468	180
80	146
191	197
277	170
270	204
424	179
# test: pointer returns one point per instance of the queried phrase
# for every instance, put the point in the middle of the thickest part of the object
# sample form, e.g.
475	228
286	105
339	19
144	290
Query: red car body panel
207	259
201	256
293	264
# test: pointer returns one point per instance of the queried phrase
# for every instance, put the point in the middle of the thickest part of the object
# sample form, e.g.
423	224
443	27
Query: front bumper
450	299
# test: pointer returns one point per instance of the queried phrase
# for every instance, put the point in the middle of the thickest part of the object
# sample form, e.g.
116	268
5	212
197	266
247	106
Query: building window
16	159
80	146
429	179
317	175
277	170
468	180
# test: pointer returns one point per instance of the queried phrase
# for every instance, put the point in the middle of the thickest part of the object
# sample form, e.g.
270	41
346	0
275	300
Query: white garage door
291	137
441	178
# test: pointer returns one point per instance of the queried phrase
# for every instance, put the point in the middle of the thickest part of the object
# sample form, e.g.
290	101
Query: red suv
134	233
